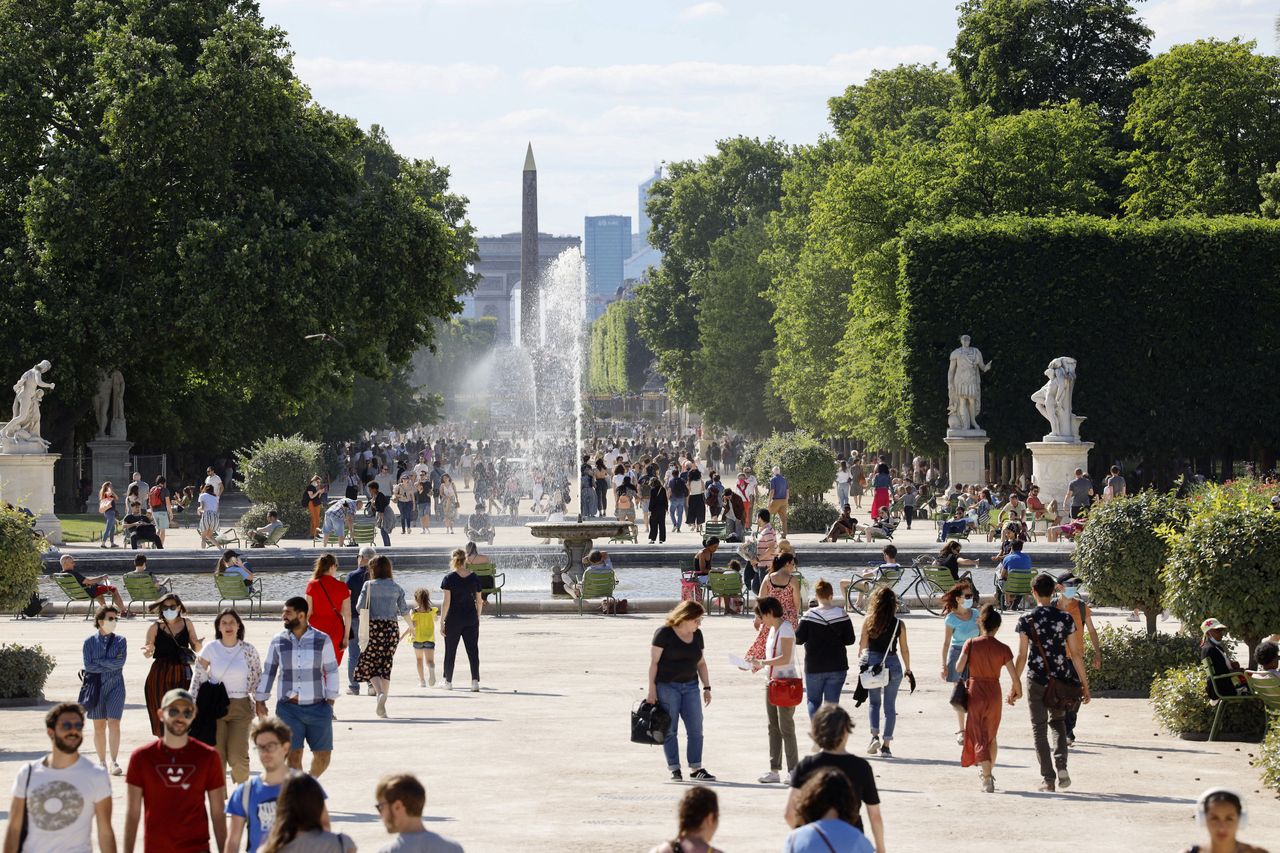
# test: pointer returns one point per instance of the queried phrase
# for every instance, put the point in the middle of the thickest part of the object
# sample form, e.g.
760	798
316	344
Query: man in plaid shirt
308	669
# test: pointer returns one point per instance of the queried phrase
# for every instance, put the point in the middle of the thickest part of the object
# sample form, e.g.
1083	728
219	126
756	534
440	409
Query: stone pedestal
967	456
1054	464
109	462
26	480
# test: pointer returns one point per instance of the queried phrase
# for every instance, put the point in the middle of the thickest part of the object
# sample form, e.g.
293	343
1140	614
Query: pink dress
785	595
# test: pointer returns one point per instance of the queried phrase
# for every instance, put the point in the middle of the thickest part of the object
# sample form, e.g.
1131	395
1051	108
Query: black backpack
34	606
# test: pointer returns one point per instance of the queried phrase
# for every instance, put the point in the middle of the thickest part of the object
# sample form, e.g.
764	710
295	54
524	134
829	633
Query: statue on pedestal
1053	400
108	405
964	387
22	433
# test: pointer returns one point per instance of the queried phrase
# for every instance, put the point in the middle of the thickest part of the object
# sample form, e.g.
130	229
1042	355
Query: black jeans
470	637
144	536
602	496
908	515
1043	719
657	524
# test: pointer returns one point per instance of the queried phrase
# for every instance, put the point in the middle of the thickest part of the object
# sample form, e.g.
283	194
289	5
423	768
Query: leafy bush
273	473
1131	659
811	517
23	671
1268	760
1181	706
19	558
808	465
1120	553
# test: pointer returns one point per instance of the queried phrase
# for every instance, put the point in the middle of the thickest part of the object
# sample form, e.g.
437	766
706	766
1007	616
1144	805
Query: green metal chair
274	538
722	586
489	570
225	539
1016	584
74	592
627	534
717	529
232	588
143	589
596	584
1266	688
363	532
1227	681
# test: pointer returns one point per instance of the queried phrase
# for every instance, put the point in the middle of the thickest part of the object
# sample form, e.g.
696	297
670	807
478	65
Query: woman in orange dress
983	657
783	584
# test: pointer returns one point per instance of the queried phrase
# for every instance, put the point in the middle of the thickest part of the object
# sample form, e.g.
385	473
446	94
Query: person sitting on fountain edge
479	527
596	563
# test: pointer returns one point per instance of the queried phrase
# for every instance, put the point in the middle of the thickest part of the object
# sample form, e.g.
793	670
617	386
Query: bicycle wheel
857	589
934	602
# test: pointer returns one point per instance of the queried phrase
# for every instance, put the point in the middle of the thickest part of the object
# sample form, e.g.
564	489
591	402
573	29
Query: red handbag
785	692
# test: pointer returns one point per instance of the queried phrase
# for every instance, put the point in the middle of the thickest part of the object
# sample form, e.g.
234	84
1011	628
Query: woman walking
402	493
448	502
982	658
825	631
960	624
882	484
422	499
329	603
234	664
781	583
104	655
830	730
779	660
658	505
460	617
300	818
858	484
207	507
696	512
883	637
172	645
314	498
381	601
107	506
676	663
843	478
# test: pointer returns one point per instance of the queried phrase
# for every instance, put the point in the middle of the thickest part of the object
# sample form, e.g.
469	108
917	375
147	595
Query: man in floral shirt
1062	661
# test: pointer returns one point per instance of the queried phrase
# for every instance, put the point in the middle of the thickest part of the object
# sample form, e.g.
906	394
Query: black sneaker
677	776
885	752
701	775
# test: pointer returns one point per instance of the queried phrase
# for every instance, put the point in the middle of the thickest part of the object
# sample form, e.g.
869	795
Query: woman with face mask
104	656
959	607
172	645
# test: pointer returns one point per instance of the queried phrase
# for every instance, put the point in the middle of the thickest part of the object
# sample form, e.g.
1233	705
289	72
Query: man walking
252	805
308	668
1045	651
400	801
381	504
160	503
62	794
778	498
766	550
170	780
355	583
1079	494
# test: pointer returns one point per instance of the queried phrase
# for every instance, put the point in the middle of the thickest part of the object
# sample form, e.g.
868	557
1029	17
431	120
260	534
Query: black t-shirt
678	488
462	599
952	562
139	520
381	502
679	661
858	771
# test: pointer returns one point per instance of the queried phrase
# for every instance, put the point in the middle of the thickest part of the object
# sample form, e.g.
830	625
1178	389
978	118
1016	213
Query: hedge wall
1175	325
617	358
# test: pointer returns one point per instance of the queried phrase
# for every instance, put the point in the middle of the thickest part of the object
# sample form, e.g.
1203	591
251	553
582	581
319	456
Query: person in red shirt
173	776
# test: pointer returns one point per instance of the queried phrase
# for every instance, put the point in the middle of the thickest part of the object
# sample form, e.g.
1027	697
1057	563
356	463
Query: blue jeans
682	699
822	687
353	651
677	512
888	695
842	495
109	533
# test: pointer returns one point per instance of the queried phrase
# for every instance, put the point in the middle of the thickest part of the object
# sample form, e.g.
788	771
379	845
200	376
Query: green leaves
20	559
24	671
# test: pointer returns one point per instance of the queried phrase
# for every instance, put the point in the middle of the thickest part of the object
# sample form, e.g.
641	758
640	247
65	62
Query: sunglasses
185	713
66	726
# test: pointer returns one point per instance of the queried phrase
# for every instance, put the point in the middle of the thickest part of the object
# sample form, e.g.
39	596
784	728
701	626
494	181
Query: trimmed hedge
1180	705
617	357
273	473
808	517
1268	760
1133	301
1131	659
808	464
23	671
19	559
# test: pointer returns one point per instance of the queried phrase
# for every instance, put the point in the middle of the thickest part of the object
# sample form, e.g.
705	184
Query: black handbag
960	696
1059	695
90	689
649	724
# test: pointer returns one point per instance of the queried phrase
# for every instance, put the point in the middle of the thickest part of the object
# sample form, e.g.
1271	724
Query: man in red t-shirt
172	776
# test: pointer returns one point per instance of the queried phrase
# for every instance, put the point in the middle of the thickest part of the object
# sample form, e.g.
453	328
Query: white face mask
966	602
108	627
170	614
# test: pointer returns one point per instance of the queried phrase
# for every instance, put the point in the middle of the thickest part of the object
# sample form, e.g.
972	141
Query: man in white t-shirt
213	480
62	793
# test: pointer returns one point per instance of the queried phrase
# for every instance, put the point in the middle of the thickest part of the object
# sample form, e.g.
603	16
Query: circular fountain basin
570	530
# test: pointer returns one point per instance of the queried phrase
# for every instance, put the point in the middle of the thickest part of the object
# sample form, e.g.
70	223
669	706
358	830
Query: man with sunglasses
60	795
172	777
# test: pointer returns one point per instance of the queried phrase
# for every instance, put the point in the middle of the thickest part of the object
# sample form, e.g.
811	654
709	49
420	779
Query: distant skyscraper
608	245
642	255
529	267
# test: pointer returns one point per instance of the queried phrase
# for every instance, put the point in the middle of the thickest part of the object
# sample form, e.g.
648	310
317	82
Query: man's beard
68	748
177	726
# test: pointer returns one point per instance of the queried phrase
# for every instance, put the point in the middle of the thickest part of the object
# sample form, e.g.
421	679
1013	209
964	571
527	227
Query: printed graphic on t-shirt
176	775
266	816
54	805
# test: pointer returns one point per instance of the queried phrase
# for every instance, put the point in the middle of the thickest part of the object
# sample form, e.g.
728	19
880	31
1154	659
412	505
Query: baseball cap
1210	624
178	694
1069	579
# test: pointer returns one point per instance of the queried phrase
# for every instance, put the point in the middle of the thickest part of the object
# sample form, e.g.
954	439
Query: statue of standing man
1054	398
108	404
964	387
24	428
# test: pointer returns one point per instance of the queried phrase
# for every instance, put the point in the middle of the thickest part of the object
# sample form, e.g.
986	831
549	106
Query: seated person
478	525
339	519
958	525
890	564
881	529
702	560
1215	650
258	537
1014	561
140	568
949	558
1268	656
1069	529
96	586
231	564
595	563
1034	505
1015	509
734	604
842	527
139	527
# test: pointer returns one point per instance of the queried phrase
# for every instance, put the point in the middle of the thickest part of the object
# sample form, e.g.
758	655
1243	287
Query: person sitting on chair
479	526
258	537
595	563
1014	561
1215	650
231	564
1268	656
702	560
842	527
139	528
95	586
881	529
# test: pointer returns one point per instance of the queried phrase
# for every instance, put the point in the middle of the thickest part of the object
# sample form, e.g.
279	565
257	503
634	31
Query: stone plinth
1054	464
26	480
110	463
967	456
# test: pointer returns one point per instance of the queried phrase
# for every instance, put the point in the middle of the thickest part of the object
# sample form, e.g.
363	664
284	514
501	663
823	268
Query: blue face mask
1070	591
966	602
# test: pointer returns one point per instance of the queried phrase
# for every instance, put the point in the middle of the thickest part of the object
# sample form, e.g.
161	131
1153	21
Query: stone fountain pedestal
577	538
26	480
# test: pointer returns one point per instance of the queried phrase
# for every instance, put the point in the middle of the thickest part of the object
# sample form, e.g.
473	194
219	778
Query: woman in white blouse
235	665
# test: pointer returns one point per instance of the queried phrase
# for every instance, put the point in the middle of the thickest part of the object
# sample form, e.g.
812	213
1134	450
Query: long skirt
377	657
165	674
982	722
696	511
881	499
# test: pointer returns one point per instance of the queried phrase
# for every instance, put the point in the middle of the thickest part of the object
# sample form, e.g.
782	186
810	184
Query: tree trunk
1151	613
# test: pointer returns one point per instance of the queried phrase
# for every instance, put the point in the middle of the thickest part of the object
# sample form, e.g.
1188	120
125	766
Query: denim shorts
312	724
424	645
160	517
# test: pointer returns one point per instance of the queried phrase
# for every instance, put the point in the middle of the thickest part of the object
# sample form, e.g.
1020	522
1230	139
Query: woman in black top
657	510
824	631
172	645
884	637
675	665
949	557
460	617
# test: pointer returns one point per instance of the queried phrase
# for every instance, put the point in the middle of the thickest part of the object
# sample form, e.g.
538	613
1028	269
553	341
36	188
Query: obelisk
529	297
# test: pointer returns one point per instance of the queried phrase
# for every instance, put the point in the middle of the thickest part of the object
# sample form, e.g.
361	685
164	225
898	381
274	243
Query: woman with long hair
299	821
950	559
783	584
104	655
329	603
676	663
460	617
779	661
982	658
448	502
882	486
314	497
107	506
960	624
696	511
236	665
207	507
825	810
884	637
172	645
384	599
601	482
843	478
422	501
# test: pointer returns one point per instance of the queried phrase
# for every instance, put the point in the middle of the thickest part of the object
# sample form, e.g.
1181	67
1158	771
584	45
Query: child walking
424	635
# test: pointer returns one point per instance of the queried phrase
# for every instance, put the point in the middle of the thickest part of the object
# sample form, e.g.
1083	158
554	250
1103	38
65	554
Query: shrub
19	559
1120	553
1181	706
811	517
23	671
1131	659
808	465
1268	760
273	473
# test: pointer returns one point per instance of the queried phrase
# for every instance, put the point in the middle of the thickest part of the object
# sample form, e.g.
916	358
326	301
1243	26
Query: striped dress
105	655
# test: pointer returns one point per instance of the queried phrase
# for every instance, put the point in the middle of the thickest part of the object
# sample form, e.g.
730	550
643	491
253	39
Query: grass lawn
82	527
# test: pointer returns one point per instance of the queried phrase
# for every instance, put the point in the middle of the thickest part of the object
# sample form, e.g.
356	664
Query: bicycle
865	586
929	583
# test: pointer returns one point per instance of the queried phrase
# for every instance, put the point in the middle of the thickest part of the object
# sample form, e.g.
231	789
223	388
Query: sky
606	90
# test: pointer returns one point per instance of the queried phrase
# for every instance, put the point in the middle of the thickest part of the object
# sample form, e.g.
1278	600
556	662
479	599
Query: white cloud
703	10
394	77
1181	21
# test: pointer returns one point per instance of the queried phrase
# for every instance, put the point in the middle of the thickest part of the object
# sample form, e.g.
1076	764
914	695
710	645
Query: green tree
907	102
1206	127
20	558
1015	55
618	359
273	472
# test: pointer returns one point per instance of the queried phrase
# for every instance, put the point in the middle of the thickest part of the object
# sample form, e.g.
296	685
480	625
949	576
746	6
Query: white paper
740	663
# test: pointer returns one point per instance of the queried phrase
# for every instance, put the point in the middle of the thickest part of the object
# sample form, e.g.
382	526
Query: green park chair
1266	688
232	588
596	585
225	539
630	533
1226	681
275	537
363	532
489	570
717	529
722	586
143	589
1016	584
74	592
939	577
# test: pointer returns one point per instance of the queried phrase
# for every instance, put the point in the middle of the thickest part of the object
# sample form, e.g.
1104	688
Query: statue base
1054	464
26	480
967	456
109	463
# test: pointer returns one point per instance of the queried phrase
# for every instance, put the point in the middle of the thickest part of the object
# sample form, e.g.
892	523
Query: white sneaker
421	683
115	769
431	677
874	746
475	686
382	705
769	778
447	685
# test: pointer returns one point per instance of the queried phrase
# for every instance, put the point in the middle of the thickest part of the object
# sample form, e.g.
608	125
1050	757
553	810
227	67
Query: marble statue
108	404
1053	400
964	387
22	433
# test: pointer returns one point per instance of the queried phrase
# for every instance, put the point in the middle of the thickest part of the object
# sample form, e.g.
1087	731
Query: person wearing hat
170	781
172	645
1215	651
1070	602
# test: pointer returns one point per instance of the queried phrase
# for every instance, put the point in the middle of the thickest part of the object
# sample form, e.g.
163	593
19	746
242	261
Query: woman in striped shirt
104	656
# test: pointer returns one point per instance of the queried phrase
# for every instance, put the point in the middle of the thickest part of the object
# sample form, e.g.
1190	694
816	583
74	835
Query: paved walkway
541	761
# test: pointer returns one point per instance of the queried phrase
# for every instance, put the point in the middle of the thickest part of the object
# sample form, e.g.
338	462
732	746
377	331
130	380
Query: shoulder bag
1059	695
784	692
875	677
364	617
649	724
26	788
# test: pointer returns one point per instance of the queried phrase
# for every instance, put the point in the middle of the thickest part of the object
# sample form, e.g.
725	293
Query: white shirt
228	666
215	481
773	647
60	805
208	502
842	476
